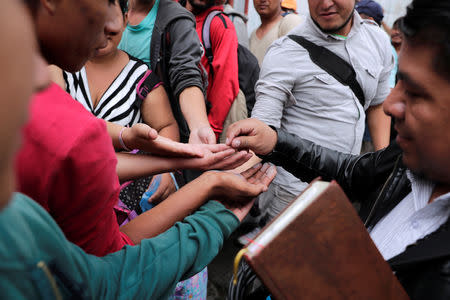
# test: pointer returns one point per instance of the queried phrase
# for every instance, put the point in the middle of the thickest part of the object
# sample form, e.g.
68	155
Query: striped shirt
412	219
119	103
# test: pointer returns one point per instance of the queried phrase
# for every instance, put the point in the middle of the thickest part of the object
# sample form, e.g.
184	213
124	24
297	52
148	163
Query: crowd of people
133	147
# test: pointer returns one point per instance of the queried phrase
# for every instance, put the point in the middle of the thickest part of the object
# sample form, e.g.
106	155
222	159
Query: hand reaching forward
145	138
251	134
202	135
237	191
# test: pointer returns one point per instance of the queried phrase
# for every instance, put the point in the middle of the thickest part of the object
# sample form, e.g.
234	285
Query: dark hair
397	22
428	22
123	6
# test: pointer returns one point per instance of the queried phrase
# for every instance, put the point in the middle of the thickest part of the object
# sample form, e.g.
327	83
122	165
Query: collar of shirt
422	189
356	26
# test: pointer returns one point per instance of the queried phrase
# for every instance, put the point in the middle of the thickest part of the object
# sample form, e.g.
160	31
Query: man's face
70	31
332	15
267	8
396	35
420	104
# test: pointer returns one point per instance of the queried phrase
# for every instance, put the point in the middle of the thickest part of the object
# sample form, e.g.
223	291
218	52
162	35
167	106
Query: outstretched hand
202	135
145	138
216	157
237	191
251	134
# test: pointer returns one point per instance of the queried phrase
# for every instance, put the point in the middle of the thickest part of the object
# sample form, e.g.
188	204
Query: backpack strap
206	37
331	63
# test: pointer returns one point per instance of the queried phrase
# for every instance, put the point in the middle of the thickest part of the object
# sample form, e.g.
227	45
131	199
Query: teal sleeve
151	270
148	271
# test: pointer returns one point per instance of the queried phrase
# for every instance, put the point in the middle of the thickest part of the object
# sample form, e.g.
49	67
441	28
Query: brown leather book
318	248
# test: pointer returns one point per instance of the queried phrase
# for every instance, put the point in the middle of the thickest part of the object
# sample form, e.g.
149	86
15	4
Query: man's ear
50	6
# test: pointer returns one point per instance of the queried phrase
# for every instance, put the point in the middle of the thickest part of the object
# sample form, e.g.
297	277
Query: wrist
123	139
212	181
272	142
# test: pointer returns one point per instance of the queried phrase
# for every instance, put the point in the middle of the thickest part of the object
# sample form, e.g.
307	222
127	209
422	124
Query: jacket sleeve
224	85
185	54
152	269
355	174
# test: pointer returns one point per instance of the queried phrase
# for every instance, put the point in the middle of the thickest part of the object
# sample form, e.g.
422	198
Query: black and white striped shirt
119	104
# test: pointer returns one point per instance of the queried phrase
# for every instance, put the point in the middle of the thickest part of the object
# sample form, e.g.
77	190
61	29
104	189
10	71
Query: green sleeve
151	270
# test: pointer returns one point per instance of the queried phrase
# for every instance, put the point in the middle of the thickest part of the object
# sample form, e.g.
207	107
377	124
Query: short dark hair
428	22
123	6
397	22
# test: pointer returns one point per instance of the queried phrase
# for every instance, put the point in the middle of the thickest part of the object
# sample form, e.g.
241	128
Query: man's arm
273	90
192	103
186	80
379	125
307	160
133	166
232	188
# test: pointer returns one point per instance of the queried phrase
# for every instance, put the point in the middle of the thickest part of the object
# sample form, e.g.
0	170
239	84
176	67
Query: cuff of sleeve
277	155
226	215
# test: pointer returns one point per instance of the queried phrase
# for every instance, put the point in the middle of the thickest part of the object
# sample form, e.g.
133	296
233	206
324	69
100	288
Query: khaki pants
238	111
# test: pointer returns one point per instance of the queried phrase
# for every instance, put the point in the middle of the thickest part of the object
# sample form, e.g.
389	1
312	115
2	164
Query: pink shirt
68	165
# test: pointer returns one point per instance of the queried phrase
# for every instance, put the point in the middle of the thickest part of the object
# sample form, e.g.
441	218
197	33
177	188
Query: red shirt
68	165
224	87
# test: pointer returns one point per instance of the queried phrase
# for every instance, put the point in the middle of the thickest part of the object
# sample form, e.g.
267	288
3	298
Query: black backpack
248	66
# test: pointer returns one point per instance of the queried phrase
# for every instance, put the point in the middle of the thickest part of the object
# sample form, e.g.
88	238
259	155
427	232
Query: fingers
167	147
216	159
239	128
269	175
251	171
153	188
246	142
155	198
233	161
213	148
256	178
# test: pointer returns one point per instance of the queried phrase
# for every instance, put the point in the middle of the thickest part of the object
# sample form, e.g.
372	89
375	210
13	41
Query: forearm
307	161
157	113
193	107
180	252
175	208
356	174
379	126
170	131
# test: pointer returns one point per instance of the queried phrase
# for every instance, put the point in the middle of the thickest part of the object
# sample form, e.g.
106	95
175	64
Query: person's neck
439	190
269	21
105	60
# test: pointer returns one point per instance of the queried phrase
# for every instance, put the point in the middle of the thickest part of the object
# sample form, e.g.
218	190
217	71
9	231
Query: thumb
244	142
145	132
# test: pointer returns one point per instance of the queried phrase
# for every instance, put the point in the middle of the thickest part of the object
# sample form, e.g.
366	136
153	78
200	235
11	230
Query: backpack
248	66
